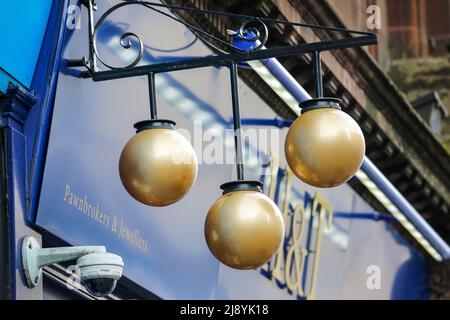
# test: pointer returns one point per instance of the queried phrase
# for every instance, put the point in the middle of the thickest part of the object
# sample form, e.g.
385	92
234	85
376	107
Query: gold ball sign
324	147
158	165
244	228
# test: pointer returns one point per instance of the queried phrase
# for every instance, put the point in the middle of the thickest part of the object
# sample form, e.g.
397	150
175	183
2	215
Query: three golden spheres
324	147
158	165
244	228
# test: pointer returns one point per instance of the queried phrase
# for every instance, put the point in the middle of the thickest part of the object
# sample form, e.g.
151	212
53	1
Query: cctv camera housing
99	272
98	269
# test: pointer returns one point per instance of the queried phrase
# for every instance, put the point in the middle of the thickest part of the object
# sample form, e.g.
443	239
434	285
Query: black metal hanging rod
224	59
236	121
247	31
317	65
152	96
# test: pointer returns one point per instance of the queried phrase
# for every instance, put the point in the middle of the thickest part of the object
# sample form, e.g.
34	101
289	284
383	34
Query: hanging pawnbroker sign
88	194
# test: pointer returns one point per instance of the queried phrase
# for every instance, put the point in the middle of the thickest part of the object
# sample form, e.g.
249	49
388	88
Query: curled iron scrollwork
249	31
252	30
124	39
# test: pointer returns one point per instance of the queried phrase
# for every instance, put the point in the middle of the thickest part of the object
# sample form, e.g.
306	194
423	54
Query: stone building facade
408	28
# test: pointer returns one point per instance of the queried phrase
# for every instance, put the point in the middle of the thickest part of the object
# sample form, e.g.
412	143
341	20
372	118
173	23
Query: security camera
98	269
99	272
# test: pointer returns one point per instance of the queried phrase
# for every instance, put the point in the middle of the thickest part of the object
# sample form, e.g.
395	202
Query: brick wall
354	14
413	22
438	24
406	26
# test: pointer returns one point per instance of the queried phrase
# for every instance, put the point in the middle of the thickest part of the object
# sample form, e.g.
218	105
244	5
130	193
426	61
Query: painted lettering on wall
93	211
295	266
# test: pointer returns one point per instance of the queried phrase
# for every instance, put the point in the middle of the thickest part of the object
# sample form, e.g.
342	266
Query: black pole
152	96
92	59
317	74
222	59
236	121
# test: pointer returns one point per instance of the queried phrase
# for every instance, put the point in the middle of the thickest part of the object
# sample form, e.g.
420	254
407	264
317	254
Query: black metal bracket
252	29
83	62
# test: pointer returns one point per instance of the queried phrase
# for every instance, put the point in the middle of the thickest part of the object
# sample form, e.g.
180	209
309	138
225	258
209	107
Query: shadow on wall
411	281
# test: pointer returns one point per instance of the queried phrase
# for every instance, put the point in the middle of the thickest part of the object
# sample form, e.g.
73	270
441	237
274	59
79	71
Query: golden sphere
244	229
324	147
158	165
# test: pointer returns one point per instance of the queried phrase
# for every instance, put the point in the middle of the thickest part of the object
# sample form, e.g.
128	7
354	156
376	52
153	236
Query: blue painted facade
23	24
77	128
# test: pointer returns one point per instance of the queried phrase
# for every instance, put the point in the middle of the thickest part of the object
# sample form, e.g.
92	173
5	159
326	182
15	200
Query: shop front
335	244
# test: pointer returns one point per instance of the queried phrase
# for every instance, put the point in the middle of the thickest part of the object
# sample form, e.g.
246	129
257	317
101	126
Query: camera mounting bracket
34	257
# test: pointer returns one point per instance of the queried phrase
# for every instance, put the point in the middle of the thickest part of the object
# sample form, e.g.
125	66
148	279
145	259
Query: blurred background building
414	50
